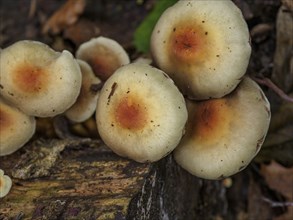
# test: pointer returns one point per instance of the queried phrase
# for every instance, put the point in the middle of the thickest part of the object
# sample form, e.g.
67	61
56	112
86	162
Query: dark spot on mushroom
268	110
217	55
1	86
152	121
164	42
113	88
165	74
10	93
53	110
96	87
242	161
174	29
241	168
221	160
112	125
202	21
158	31
146	74
259	143
262	96
128	91
206	33
221	177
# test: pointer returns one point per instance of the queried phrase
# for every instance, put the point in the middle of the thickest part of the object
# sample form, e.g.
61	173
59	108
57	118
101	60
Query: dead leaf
280	179
65	16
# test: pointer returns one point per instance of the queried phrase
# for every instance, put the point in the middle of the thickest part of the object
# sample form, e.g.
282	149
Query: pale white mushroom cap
140	113
86	102
38	80
5	184
16	128
224	135
203	46
104	55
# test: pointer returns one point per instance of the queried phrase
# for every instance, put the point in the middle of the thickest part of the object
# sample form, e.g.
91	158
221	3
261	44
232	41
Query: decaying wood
83	179
70	180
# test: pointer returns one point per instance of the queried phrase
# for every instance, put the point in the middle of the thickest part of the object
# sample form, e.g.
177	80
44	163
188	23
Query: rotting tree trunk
83	179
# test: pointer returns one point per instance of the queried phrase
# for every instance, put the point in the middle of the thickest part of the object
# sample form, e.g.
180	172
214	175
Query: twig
277	204
33	8
267	82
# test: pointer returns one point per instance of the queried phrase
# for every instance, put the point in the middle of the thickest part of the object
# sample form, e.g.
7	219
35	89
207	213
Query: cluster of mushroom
202	48
196	103
36	81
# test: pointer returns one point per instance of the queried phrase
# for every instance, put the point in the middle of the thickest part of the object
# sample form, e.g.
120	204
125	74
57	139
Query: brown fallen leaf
280	179
65	16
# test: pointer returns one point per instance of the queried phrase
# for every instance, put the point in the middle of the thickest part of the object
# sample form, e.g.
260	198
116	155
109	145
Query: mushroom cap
5	184
38	80
104	55
224	135
16	128
140	113
86	102
203	46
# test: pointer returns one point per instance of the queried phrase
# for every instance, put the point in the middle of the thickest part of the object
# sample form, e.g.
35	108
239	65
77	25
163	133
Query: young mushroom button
16	128
5	184
224	135
38	80
203	46
140	113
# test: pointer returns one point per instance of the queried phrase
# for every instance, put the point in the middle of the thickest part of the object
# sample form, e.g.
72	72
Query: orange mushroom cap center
5	120
131	113
211	120
188	43
30	78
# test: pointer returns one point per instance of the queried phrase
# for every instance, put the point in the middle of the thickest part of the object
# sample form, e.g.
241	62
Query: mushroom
86	102
38	80
223	135
16	128
140	113
203	46
104	55
5	184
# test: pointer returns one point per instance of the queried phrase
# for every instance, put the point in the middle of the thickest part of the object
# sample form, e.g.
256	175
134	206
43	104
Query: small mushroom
104	55
16	128
86	102
140	113
5	184
224	135
203	46
38	80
